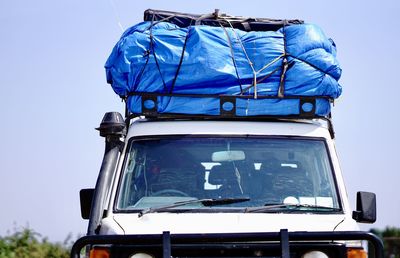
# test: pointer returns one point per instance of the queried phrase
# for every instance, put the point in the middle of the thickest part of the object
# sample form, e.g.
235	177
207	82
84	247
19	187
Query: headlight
314	254
141	255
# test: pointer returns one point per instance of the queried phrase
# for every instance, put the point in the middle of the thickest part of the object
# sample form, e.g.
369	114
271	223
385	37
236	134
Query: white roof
310	128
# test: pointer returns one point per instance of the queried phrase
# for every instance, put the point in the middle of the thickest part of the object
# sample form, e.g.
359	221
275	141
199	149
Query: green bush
391	240
26	243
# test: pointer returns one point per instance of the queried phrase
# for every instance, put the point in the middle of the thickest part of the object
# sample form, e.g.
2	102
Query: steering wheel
170	192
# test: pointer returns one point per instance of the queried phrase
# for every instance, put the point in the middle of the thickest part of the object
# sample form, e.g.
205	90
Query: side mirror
366	208
86	197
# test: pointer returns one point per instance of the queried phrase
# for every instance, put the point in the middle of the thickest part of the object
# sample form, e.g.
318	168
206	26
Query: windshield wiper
291	207
205	202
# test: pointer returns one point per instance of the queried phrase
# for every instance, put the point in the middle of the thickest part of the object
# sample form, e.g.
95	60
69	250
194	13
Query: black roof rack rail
151	111
218	19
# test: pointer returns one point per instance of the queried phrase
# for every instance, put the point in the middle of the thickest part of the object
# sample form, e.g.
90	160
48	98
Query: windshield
264	171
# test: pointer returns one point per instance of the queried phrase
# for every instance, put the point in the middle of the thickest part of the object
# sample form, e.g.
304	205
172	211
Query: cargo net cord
226	22
285	64
220	20
255	73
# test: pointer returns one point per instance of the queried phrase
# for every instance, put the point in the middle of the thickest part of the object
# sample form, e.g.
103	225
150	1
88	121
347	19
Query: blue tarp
165	58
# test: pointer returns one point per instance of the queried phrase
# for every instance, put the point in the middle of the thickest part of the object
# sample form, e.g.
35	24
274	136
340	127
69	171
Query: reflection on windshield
164	171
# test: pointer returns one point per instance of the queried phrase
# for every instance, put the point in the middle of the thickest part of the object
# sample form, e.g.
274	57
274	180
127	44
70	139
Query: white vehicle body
222	188
158	222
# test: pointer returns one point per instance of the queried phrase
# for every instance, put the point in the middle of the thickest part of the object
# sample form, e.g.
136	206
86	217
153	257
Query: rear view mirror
366	208
221	156
86	197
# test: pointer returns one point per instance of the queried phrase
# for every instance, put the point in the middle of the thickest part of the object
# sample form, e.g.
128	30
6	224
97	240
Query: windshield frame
213	209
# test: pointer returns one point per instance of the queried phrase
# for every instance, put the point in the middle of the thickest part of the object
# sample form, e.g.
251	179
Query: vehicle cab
263	176
223	177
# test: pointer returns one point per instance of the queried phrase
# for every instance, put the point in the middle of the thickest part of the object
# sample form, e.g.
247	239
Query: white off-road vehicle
222	188
211	168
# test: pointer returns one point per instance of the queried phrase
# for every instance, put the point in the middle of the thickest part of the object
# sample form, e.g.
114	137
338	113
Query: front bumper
270	244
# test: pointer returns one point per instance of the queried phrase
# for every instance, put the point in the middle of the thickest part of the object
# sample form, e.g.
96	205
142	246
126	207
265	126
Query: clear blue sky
53	94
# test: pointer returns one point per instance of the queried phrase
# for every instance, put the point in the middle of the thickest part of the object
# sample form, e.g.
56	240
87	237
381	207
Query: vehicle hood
156	223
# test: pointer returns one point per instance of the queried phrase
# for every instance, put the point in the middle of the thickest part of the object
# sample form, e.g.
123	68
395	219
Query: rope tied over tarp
281	89
251	64
286	64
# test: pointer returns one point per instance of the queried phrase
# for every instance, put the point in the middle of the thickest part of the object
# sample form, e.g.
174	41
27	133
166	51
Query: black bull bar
168	242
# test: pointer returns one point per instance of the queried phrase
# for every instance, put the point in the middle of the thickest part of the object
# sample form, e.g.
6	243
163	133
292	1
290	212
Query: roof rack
218	19
228	109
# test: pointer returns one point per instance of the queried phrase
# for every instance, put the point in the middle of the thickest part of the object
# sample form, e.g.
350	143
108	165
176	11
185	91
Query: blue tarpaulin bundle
188	68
